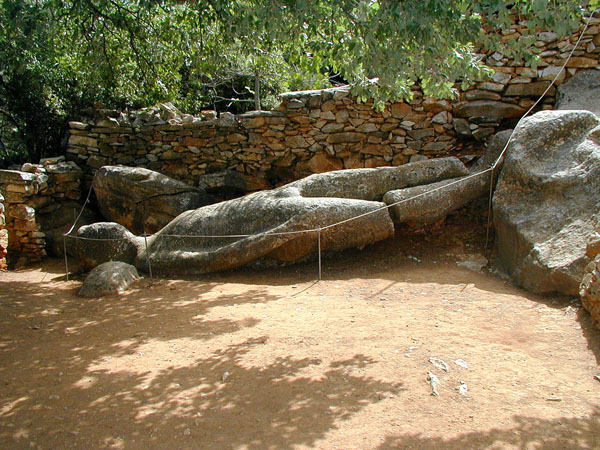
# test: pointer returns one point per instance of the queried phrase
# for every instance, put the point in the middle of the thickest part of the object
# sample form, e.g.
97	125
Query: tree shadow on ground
87	387
90	387
272	406
591	332
541	434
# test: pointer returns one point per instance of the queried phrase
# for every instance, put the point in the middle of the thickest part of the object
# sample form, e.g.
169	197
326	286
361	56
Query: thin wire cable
87	199
66	235
83	238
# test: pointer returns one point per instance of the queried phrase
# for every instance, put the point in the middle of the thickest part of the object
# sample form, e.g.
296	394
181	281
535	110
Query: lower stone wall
27	196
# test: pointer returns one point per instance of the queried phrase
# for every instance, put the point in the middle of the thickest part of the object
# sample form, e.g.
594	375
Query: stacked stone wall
316	131
29	194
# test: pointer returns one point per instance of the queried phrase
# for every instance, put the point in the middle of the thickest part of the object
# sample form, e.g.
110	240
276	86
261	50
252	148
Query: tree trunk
257	91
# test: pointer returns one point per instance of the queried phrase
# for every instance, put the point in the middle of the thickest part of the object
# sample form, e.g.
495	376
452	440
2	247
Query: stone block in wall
333	127
21	211
488	109
374	162
422	133
436	105
15	177
479	94
338	138
322	162
529	90
581	62
83	141
490	86
400	110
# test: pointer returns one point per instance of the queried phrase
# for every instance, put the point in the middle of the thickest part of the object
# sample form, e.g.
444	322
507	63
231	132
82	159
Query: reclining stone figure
269	225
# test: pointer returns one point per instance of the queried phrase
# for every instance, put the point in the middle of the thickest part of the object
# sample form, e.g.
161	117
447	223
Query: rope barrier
399	202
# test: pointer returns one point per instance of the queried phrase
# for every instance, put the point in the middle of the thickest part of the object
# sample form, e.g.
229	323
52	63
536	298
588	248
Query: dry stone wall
26	196
317	131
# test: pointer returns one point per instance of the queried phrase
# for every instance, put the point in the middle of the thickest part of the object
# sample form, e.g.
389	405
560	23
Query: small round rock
111	277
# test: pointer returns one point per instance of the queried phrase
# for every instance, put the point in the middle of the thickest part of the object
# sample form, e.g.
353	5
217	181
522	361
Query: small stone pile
32	191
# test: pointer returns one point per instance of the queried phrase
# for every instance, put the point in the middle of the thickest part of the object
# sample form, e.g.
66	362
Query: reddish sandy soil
272	359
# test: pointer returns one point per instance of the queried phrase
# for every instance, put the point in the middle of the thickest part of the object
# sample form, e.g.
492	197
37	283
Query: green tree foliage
59	56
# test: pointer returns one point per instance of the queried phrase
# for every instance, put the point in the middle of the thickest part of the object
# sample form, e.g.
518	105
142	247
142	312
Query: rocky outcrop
589	290
581	92
143	200
108	278
546	201
429	203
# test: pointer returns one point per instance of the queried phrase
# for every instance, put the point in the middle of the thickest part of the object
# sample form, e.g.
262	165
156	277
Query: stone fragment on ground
439	364
111	277
434	382
546	201
143	200
476	262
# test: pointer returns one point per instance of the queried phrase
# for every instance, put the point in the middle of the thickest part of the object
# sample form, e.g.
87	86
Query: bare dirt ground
271	359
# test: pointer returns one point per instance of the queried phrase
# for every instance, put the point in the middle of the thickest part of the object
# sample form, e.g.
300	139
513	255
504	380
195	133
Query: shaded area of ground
271	359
